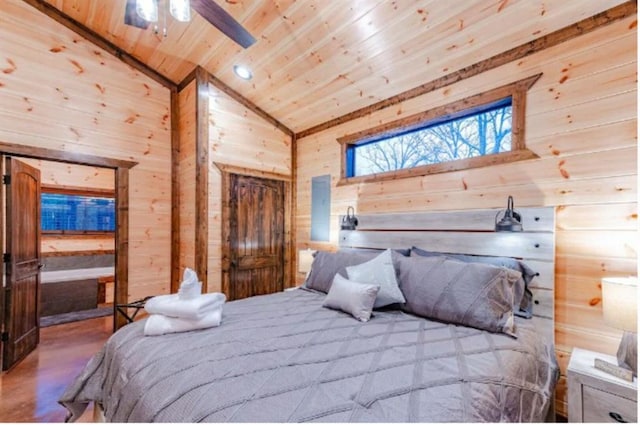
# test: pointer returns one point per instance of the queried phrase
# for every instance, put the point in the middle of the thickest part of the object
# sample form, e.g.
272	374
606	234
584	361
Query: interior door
256	236
21	328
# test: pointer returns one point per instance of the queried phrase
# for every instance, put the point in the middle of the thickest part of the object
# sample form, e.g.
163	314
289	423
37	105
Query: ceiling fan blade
132	18
219	18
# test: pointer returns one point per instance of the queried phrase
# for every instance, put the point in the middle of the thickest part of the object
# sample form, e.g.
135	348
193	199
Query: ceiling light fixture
242	72
148	10
180	9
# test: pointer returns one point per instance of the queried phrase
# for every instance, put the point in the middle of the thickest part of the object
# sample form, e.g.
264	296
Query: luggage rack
137	305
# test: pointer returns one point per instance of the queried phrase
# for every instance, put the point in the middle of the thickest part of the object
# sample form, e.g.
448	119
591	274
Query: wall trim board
75	253
567	33
294	212
237	97
99	41
175	191
202	176
234	169
516	90
122	209
62	156
63	236
249	104
74	190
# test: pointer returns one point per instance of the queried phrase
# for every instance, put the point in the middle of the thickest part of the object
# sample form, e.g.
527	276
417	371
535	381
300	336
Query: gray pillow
379	271
470	294
524	295
351	297
327	264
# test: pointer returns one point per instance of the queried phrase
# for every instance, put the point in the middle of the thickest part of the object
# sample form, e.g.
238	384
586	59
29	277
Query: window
73	213
481	130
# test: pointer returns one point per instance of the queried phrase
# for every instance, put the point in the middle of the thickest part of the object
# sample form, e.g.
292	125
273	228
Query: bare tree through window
483	133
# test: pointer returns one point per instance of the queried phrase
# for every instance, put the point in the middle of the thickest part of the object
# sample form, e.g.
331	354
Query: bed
284	358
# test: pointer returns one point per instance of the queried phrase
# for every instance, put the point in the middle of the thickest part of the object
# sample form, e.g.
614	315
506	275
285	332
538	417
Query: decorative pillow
354	298
327	264
379	271
470	294
524	295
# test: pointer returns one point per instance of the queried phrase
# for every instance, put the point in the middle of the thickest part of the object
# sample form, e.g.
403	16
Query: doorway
77	241
256	236
120	278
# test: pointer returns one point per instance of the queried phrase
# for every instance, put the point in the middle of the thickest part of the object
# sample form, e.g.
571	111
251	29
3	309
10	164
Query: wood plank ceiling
316	60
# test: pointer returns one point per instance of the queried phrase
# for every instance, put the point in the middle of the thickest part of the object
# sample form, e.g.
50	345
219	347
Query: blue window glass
77	213
482	131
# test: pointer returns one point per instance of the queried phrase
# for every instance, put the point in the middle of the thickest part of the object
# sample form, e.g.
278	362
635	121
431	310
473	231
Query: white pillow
351	297
379	271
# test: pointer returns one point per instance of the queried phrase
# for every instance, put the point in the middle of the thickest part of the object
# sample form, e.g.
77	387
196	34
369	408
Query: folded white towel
158	324
192	309
190	286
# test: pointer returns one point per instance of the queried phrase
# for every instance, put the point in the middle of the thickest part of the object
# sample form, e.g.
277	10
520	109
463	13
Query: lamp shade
305	259
620	302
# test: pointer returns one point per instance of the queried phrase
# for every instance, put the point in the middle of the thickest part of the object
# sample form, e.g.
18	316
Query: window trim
78	191
516	90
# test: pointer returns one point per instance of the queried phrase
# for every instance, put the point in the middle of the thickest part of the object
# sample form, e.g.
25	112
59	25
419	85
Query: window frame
517	91
74	191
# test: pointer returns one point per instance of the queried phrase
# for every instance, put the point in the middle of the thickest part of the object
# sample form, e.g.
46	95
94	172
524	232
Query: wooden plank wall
187	176
241	138
581	120
61	92
78	177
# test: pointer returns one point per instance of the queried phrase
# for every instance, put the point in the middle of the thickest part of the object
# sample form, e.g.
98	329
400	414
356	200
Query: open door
21	328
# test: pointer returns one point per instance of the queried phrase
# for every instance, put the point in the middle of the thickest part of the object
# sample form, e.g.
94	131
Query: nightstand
596	396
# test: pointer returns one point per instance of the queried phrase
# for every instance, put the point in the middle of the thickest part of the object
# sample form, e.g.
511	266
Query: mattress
284	358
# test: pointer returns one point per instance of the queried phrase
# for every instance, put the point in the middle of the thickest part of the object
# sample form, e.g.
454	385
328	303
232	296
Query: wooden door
21	329
256	220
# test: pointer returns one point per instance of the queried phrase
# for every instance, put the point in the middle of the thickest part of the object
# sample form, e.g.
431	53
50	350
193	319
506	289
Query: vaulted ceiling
315	60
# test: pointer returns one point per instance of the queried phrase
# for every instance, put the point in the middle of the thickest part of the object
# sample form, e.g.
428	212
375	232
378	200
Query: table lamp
620	310
305	259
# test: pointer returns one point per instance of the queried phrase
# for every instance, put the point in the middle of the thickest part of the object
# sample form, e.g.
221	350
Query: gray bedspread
284	358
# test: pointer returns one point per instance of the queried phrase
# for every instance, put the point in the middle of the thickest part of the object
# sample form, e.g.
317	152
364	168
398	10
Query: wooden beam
294	205
98	40
248	104
186	80
175	191
64	156
614	14
201	258
121	286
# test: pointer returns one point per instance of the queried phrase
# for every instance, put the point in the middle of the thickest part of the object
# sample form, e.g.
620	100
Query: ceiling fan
208	9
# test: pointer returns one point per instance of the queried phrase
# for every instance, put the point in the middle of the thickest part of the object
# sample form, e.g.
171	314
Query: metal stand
137	305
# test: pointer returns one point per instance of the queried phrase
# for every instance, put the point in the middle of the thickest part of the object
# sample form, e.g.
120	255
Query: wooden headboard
471	232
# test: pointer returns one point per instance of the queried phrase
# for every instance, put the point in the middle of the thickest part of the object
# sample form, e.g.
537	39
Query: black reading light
511	222
350	221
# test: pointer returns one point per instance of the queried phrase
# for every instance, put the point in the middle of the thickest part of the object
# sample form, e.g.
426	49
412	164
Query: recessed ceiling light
242	72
